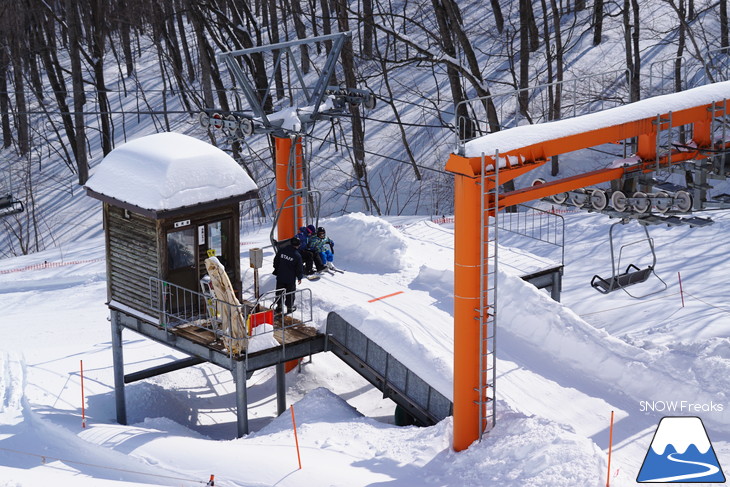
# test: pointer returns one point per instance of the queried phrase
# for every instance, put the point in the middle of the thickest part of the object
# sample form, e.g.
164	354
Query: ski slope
562	369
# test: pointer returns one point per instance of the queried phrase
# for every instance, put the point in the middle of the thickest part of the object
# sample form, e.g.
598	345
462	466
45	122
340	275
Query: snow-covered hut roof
161	174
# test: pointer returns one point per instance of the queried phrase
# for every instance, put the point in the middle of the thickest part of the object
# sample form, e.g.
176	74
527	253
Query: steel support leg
118	361
239	376
280	388
555	288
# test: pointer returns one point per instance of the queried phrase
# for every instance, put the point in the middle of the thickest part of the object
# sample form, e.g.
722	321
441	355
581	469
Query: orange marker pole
296	440
83	409
610	445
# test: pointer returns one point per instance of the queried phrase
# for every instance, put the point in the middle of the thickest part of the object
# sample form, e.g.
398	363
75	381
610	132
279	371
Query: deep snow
562	369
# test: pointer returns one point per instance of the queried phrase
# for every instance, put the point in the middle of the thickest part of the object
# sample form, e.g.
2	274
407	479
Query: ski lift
632	274
10	206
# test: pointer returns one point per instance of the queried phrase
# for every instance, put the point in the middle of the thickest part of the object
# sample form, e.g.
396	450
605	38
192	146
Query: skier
307	255
289	272
316	257
324	246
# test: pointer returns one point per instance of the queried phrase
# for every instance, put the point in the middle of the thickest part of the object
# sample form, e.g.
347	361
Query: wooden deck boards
200	333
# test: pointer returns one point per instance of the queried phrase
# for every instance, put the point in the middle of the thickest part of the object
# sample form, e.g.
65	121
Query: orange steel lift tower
474	203
287	126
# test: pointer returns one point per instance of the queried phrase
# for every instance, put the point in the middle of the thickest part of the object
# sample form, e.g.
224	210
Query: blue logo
681	452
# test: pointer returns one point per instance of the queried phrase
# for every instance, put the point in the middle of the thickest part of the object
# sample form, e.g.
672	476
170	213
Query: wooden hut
169	201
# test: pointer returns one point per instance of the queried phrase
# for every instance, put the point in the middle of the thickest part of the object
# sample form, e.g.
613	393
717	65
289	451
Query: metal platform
296	341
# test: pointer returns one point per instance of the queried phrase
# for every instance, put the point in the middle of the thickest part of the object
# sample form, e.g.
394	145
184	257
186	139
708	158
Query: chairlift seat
632	275
10	206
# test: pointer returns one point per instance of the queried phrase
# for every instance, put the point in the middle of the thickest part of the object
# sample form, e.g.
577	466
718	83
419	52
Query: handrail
177	306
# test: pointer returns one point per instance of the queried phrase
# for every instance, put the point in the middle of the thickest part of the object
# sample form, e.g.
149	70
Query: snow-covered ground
562	369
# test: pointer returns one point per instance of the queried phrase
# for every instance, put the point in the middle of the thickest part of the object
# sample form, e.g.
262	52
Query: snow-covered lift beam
522	149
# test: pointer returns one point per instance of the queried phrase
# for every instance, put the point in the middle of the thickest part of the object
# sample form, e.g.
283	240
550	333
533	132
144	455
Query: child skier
321	244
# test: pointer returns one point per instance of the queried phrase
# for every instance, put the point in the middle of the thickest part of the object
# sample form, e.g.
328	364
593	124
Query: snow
526	135
167	171
562	369
688	431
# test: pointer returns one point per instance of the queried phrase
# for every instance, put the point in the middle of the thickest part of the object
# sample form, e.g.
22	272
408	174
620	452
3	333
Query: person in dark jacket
316	256
289	272
307	255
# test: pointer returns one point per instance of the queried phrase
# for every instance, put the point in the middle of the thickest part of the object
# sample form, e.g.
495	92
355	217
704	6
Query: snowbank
366	244
558	334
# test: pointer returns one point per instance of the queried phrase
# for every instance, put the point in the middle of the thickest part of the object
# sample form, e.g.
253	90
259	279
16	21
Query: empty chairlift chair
10	206
632	273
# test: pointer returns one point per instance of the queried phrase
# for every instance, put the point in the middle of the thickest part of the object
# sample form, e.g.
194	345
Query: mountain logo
680	452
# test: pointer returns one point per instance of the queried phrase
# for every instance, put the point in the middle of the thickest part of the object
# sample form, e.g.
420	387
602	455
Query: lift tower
482	165
289	125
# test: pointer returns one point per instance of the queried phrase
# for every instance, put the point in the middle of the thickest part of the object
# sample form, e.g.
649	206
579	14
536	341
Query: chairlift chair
632	274
10	206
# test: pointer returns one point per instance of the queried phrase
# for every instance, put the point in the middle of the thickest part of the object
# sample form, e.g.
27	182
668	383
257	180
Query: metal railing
230	323
535	223
666	74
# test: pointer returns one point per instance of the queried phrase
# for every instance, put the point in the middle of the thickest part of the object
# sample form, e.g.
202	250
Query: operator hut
170	201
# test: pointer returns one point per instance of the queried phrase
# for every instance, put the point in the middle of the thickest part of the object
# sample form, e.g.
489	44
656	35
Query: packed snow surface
562	368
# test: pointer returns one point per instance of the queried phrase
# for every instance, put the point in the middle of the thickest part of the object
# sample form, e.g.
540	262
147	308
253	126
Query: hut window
180	249
218	240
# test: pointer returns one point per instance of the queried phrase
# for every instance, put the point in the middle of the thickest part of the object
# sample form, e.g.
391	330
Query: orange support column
467	228
291	217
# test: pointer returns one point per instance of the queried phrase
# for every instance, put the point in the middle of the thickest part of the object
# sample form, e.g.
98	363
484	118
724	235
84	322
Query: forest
80	77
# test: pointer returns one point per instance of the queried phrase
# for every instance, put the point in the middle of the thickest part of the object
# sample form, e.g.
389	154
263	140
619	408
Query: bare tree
723	24
79	96
597	21
631	43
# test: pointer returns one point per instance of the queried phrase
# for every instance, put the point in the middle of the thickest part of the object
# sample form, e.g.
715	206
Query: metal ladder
488	297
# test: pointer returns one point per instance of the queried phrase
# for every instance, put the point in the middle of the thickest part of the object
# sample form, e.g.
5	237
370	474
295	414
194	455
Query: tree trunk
58	85
636	78
681	41
358	133
597	22
79	97
274	34
557	108
390	97
5	100
366	48
190	67
630	44
301	31
724	24
523	95
533	30
99	33
124	27
203	57
498	17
